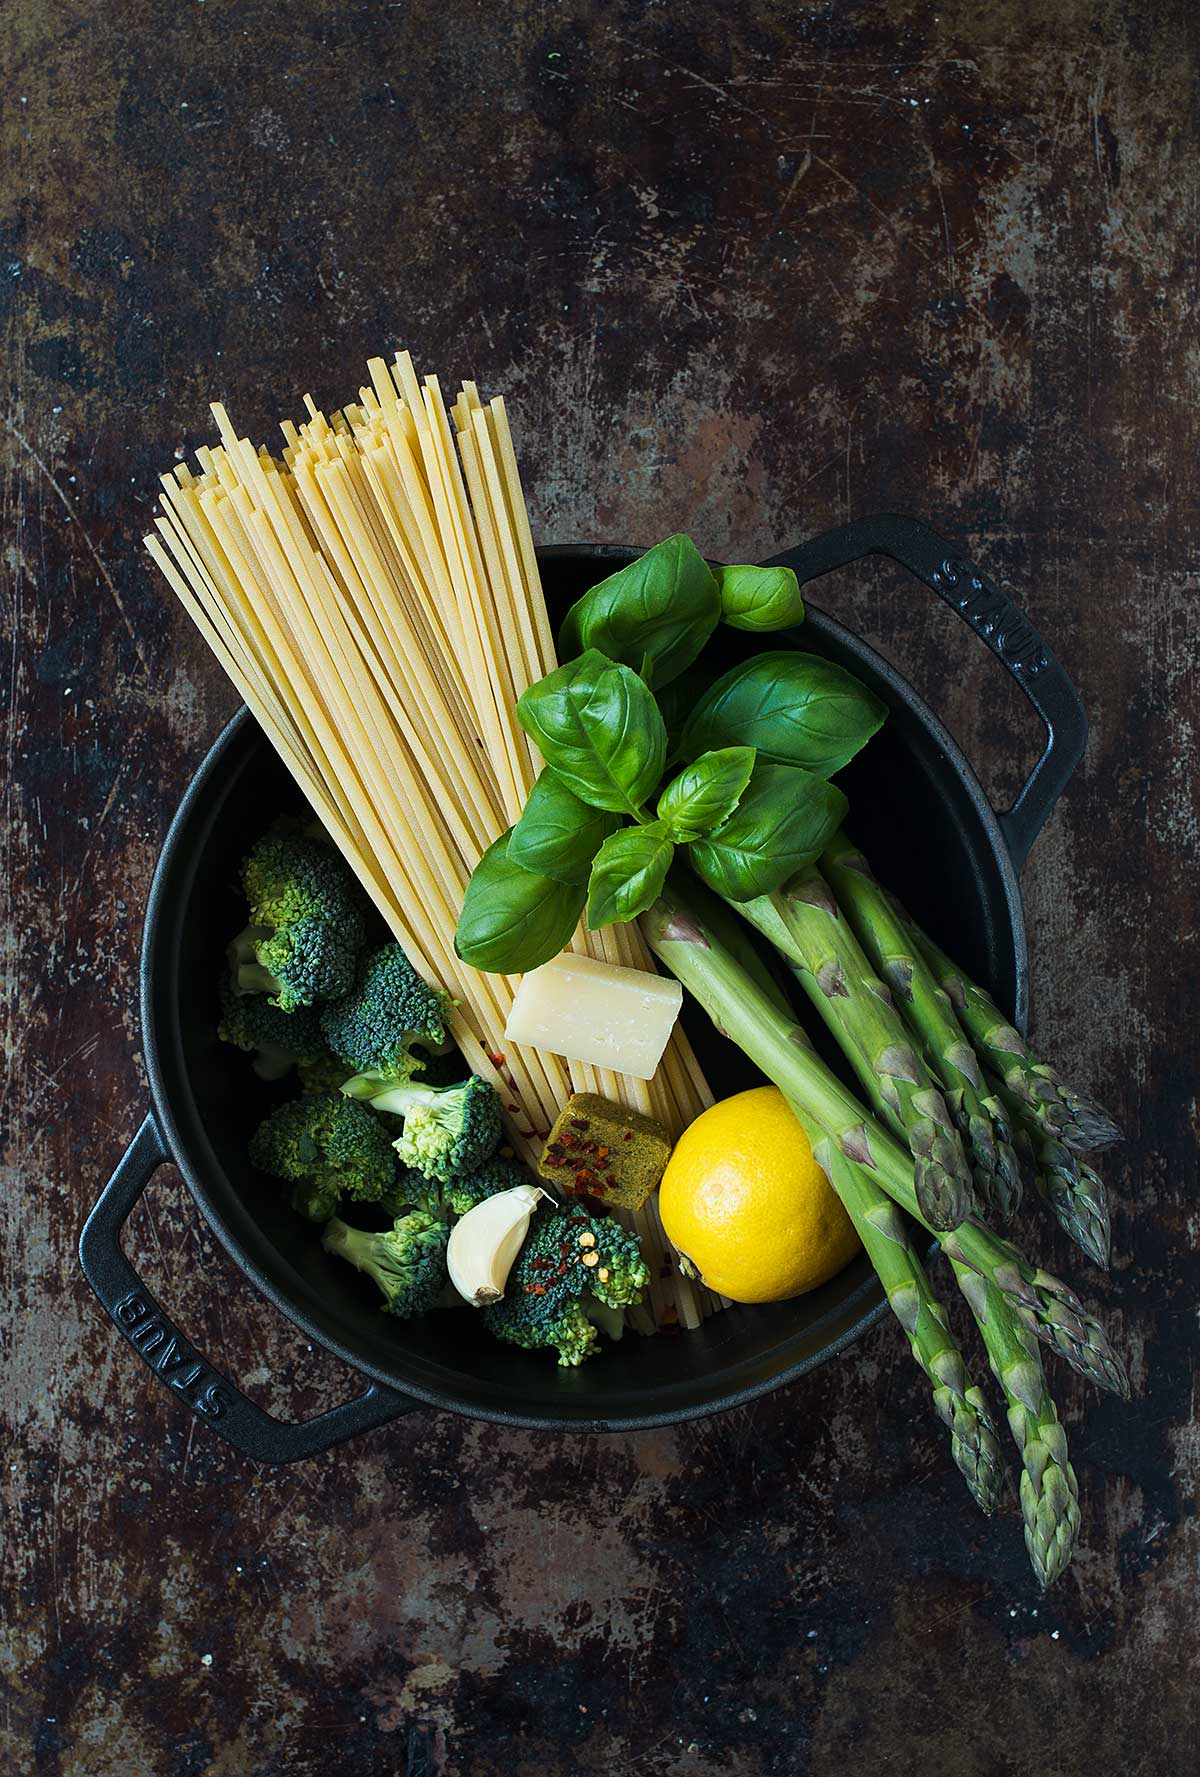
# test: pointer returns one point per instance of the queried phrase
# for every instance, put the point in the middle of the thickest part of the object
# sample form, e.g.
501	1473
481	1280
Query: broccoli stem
253	978
244	948
609	1320
348	1243
397	1100
247	972
271	1063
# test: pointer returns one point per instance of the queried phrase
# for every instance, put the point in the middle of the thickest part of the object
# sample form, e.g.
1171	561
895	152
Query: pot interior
915	810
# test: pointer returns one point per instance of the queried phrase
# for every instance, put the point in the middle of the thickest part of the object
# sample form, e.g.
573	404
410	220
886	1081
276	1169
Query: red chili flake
566	1139
539	1289
515	1109
561	1270
628	1135
580	1123
496	1060
601	1152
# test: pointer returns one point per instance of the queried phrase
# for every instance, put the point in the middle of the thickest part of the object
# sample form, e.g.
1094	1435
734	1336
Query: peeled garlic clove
486	1241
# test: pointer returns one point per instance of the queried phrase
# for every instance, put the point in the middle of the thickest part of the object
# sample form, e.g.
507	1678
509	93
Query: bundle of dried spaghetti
373	593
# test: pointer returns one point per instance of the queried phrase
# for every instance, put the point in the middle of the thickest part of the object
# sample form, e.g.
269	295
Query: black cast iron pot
960	877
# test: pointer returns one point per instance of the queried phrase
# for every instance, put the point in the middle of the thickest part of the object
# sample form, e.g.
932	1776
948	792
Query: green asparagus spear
1072	1190
1096	1128
1009	1179
884	1233
1049	1493
1061	1111
889	946
804	922
1080	1206
1044	1303
1023	1148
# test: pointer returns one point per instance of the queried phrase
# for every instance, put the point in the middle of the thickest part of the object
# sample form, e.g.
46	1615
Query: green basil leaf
514	919
558	834
655	614
705	793
760	598
785	819
599	728
796	709
628	874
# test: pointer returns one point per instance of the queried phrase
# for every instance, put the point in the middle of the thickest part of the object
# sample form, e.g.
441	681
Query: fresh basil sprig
514	919
751	805
599	729
558	834
705	793
655	614
785	819
760	599
795	709
628	874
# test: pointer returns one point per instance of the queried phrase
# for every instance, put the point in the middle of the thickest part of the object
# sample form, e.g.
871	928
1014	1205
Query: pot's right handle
997	620
209	1393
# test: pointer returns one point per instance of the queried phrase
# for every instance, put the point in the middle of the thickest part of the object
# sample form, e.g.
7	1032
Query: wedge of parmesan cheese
597	1012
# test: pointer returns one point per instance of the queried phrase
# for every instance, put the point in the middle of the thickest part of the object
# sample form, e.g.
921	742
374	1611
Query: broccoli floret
408	1262
326	1147
306	922
566	1241
378	1026
278	1040
454	1197
448	1130
572	1267
539	1323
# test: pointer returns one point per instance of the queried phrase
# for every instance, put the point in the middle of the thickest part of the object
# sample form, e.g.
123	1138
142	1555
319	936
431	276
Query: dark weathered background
740	270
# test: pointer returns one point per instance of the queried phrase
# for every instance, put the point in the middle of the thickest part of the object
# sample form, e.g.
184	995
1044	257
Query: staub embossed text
168	1352
993	615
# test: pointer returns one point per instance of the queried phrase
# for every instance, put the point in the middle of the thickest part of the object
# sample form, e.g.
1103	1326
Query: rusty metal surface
740	271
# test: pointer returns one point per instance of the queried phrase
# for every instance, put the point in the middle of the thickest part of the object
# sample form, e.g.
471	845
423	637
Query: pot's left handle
209	1393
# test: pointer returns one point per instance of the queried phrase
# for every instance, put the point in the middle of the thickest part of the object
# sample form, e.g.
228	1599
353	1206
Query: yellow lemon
743	1197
